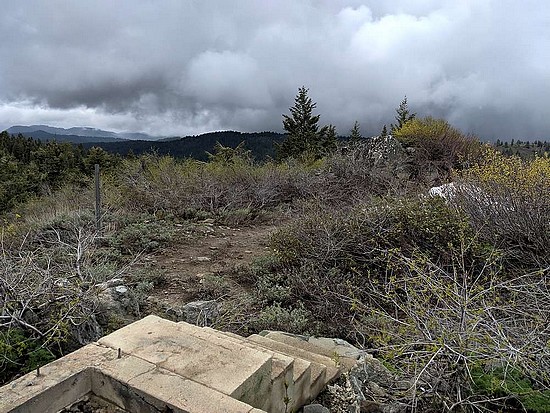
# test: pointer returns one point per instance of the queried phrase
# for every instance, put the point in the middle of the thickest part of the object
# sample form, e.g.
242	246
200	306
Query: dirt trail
201	251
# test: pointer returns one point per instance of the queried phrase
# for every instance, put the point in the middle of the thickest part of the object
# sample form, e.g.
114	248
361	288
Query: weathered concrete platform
156	365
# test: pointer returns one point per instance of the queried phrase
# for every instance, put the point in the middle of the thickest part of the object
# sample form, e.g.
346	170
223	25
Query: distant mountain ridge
261	144
77	134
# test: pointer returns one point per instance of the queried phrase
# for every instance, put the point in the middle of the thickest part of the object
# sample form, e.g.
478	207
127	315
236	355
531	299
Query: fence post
97	200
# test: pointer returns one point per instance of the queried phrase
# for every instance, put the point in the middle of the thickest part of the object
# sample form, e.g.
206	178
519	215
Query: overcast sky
178	67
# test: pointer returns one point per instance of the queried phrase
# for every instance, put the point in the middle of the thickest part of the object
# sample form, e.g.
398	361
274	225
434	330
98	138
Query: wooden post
97	200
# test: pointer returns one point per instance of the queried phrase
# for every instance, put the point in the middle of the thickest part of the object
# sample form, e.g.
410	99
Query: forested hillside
29	167
261	145
523	149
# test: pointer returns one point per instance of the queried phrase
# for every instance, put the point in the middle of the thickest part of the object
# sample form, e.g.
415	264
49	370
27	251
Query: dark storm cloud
178	67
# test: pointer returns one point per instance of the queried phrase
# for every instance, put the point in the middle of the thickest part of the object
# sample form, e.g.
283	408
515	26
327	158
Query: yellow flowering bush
508	201
528	178
437	144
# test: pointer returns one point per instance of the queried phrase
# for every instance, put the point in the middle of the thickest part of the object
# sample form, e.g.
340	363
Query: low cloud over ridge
173	67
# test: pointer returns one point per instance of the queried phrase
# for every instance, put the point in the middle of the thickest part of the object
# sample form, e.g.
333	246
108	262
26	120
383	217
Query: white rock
121	289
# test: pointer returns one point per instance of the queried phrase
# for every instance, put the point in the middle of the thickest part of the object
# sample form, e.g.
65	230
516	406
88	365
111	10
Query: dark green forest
30	167
261	144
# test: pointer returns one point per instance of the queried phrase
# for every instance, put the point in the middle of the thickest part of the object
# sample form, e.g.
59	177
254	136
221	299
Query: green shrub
414	279
352	238
436	145
514	385
293	320
20	353
329	260
140	233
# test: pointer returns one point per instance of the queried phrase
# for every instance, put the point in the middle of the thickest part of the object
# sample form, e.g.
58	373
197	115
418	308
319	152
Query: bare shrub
455	329
413	280
49	282
164	185
508	202
231	185
365	170
330	256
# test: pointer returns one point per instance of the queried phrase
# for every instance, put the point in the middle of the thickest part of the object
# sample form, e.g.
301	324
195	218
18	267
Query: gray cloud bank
183	67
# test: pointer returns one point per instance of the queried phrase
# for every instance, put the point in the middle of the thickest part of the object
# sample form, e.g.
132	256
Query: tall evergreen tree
301	127
403	116
355	135
384	132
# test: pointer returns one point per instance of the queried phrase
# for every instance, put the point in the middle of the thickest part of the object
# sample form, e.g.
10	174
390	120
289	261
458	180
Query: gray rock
88	331
369	369
338	346
107	302
315	408
201	313
173	313
381	150
375	387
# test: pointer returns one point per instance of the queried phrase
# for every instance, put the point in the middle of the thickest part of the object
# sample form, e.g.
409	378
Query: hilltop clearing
450	294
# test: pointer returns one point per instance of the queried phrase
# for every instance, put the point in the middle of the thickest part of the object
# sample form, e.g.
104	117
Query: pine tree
384	132
328	139
402	117
302	129
355	135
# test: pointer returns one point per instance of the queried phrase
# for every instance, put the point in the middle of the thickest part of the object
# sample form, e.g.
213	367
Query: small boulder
201	313
315	408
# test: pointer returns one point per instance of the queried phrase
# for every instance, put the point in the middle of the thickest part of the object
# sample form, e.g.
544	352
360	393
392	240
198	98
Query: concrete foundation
155	365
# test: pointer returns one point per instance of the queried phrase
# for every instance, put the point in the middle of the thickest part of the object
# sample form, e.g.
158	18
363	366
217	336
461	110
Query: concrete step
344	354
323	369
237	371
291	377
138	386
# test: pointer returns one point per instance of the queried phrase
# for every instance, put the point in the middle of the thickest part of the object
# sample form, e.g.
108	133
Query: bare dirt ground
200	253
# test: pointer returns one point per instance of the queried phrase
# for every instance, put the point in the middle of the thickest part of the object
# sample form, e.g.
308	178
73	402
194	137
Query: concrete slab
290	350
157	365
160	390
57	396
186	394
237	371
225	333
110	381
285	372
126	367
281	362
58	382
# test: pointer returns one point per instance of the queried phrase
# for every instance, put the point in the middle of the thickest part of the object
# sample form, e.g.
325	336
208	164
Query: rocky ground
199	254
